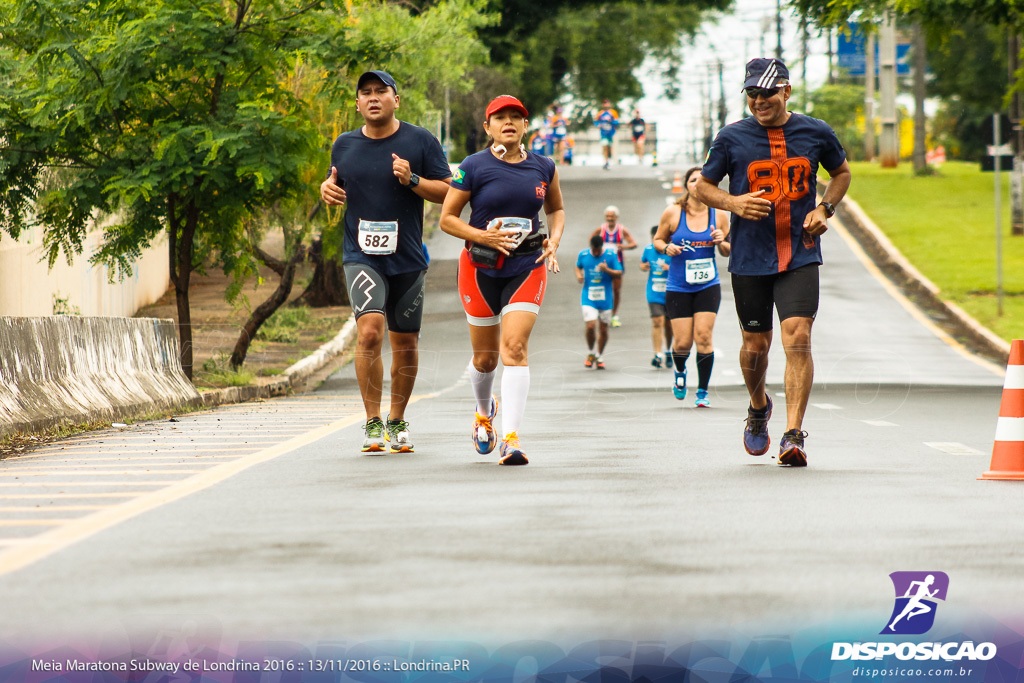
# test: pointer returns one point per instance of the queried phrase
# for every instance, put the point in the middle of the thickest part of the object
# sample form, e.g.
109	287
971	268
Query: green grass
285	325
945	225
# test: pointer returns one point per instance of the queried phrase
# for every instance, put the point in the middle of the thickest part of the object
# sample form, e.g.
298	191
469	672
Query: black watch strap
830	209
414	180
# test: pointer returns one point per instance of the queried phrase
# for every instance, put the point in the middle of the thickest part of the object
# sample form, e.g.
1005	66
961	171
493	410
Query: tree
165	115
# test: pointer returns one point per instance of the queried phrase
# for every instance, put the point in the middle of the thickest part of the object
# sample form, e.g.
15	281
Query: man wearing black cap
772	160
383	171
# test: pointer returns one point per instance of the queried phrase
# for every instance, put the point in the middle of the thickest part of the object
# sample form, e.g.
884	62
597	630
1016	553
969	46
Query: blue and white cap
763	72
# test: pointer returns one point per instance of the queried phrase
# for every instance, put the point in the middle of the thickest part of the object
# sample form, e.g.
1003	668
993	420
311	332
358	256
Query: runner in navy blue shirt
502	274
772	161
384	171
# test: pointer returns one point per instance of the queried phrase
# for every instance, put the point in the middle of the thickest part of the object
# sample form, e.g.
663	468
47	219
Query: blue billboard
852	59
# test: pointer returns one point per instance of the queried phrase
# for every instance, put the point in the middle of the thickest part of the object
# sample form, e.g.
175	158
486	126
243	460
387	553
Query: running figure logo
916	595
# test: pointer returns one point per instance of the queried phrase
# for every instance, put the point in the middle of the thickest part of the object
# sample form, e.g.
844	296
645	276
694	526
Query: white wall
28	287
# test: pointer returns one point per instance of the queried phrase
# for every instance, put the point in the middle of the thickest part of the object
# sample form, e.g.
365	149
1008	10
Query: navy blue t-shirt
499	189
365	170
783	161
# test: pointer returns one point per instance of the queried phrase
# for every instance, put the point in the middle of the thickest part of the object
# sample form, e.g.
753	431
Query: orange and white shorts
486	298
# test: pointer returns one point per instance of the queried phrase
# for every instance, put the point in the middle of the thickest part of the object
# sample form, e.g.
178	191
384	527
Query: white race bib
700	271
378	237
560	130
521	227
658	284
611	247
595	292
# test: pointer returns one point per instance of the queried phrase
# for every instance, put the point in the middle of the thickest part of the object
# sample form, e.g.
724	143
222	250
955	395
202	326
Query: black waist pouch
485	257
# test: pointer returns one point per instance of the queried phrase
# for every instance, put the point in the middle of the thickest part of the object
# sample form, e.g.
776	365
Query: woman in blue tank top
689	232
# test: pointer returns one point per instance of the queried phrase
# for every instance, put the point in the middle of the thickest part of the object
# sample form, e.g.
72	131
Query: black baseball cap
765	72
382	76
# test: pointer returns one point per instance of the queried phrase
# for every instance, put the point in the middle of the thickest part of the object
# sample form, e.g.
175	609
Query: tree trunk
920	90
180	255
328	285
267	308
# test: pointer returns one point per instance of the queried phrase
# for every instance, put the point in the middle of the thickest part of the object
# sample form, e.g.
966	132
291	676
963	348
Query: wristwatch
414	180
830	209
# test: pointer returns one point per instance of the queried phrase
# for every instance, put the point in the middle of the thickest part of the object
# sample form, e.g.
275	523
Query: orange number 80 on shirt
786	180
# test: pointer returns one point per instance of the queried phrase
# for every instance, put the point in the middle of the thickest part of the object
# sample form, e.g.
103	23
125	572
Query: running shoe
589	362
656	361
616	322
791	449
668	360
599	363
376	436
398	435
511	453
702	399
755	434
484	436
679	385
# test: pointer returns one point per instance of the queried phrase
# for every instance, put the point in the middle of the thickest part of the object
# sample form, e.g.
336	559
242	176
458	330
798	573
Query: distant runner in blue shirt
772	160
655	264
689	232
596	269
607	122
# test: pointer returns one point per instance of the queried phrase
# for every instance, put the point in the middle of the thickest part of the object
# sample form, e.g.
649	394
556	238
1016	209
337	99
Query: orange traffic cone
1008	451
677	183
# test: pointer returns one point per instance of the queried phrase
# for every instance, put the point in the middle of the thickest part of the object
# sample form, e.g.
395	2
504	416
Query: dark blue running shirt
783	161
499	189
365	170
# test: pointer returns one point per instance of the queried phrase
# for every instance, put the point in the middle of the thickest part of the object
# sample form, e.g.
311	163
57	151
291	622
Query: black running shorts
685	304
397	297
793	293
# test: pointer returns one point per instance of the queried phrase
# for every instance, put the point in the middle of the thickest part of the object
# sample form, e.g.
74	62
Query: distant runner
617	238
607	123
688	232
596	270
656	265
638	127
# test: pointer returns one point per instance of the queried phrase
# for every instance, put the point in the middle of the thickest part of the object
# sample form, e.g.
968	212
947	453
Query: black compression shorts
793	293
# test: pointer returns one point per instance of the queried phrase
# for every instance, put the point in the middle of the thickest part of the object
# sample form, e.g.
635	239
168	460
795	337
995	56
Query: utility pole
920	64
722	108
889	145
869	97
831	68
803	64
778	28
1016	114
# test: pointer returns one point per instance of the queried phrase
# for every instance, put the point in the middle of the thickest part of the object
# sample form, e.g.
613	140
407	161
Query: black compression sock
705	361
679	361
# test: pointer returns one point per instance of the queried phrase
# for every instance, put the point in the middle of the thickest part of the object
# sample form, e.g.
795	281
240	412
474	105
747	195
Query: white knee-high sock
483	386
515	385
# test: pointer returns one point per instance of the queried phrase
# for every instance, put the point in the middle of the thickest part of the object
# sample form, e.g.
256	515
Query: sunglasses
754	93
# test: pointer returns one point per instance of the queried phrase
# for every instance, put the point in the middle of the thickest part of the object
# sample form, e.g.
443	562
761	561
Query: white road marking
953	448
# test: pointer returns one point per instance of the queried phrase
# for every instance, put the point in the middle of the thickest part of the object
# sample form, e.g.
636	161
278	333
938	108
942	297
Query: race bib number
520	227
611	248
595	292
700	271
378	237
560	130
659	284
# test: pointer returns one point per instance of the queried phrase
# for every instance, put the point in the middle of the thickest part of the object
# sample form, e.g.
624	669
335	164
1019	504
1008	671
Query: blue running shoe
511	451
668	360
702	399
656	362
755	434
791	449
679	386
484	436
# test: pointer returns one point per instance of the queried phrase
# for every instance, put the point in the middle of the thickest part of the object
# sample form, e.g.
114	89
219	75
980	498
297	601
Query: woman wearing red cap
502	274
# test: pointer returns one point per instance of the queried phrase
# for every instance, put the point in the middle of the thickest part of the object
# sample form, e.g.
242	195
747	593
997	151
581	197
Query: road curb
294	376
925	293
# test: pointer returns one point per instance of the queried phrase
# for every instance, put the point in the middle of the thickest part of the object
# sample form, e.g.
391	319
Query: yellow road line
51	496
40	484
50	508
32	522
907	304
45	544
136	472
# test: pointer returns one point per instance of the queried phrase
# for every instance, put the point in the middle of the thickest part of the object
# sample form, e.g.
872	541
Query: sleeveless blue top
694	269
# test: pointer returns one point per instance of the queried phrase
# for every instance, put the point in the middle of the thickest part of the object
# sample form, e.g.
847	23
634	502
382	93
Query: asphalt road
639	516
